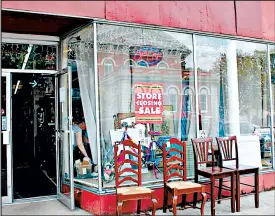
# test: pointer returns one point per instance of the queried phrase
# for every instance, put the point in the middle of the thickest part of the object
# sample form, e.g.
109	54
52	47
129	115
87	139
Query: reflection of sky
185	39
210	48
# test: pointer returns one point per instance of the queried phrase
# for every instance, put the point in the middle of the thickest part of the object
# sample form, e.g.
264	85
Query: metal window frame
100	183
271	105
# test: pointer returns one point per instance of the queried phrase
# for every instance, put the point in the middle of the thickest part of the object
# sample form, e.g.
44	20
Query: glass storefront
146	92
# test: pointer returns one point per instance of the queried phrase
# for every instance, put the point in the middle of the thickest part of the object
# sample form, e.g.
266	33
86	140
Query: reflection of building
124	62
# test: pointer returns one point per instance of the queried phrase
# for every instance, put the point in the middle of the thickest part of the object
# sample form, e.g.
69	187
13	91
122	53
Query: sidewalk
54	207
267	206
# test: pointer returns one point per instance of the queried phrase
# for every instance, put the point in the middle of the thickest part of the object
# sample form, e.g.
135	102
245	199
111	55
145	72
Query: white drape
85	70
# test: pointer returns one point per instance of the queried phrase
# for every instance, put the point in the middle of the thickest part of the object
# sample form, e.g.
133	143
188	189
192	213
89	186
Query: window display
142	97
146	84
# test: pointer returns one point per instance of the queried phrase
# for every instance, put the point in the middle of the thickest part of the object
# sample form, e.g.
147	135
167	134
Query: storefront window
78	55
212	59
272	70
233	95
144	92
254	110
28	56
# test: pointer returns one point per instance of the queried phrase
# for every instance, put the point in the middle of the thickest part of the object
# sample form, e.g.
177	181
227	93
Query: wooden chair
226	146
201	156
172	161
136	192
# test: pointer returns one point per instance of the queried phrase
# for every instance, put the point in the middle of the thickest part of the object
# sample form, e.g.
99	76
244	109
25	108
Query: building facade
213	63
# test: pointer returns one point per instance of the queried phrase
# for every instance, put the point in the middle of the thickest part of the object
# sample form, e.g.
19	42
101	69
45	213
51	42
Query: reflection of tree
252	79
252	76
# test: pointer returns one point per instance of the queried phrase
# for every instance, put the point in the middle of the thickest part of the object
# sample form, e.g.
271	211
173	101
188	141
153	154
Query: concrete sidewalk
267	206
54	207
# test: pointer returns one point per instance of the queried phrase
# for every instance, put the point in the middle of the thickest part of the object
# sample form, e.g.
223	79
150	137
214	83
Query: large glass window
78	54
272	70
147	91
233	95
254	110
148	62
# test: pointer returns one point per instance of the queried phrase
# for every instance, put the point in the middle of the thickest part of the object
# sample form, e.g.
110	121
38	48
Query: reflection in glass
215	76
150	57
28	56
253	88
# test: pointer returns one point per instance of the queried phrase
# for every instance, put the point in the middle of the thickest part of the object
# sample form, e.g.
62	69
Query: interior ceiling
30	23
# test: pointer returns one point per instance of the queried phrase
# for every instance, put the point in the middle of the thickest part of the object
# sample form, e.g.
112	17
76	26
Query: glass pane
79	53
136	55
272	67
253	88
28	56
232	76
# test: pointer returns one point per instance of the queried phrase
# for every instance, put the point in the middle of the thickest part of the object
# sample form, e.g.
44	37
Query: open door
6	154
64	136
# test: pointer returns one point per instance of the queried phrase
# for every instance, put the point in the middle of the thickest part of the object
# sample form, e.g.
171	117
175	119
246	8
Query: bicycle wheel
108	167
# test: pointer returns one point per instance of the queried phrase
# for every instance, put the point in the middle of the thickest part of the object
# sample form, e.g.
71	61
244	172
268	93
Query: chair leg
233	192
165	199
138	206
175	201
213	197
257	189
204	198
154	207
183	202
195	194
238	192
220	190
119	208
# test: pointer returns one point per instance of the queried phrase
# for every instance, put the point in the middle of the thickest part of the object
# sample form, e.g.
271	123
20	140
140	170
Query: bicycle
151	156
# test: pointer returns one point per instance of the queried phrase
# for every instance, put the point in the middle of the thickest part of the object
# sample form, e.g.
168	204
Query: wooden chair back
172	155
133	151
201	153
226	145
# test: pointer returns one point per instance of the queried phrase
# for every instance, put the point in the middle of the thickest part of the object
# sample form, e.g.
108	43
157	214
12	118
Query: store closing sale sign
149	103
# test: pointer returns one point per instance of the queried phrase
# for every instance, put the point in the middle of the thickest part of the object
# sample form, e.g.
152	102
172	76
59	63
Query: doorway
33	140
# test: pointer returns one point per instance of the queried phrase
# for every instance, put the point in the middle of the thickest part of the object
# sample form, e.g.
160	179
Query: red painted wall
252	18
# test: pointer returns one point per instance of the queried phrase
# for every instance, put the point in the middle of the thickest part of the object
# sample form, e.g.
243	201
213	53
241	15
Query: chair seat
240	168
215	170
183	185
133	190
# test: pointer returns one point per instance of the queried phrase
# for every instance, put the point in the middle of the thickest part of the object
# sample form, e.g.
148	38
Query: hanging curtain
85	70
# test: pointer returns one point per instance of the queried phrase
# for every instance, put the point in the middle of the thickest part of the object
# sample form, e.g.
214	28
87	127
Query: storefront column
233	90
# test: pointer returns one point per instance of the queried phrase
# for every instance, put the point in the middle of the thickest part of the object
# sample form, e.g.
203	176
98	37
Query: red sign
149	103
148	55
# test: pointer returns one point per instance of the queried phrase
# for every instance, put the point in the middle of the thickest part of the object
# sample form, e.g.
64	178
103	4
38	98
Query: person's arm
85	139
80	144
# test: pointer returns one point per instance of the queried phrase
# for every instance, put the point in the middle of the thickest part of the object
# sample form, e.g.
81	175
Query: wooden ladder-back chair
136	192
175	159
226	146
201	148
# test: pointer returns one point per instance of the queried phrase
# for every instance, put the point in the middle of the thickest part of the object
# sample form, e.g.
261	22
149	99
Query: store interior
33	135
